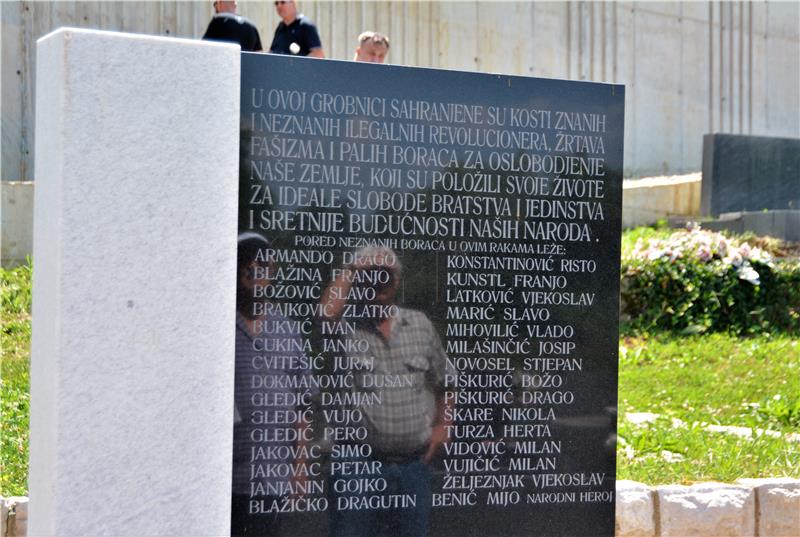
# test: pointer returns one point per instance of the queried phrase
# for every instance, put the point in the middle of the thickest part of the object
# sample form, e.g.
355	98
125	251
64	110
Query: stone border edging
14	516
749	508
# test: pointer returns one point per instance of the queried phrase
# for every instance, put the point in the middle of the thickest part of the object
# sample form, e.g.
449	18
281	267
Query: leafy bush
696	281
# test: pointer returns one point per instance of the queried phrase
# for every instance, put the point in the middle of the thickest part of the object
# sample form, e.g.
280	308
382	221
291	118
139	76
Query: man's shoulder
244	21
232	18
302	20
413	316
225	17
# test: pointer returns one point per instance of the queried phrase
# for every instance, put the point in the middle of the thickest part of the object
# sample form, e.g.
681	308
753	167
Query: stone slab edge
134	286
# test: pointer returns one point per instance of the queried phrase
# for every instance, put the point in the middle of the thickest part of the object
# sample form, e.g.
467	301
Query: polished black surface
535	290
749	173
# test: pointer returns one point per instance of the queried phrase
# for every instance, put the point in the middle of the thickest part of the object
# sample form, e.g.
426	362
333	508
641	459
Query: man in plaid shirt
404	364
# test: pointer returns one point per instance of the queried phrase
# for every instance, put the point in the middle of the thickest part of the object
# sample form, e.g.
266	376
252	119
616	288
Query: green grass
775	247
15	298
713	379
630	236
717	379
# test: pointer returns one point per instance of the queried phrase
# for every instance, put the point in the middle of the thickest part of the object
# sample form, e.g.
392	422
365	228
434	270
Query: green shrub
697	281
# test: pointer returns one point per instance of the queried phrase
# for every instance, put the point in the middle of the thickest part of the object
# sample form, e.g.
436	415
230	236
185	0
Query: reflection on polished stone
429	275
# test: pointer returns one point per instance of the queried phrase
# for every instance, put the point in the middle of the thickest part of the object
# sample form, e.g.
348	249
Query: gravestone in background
749	173
500	196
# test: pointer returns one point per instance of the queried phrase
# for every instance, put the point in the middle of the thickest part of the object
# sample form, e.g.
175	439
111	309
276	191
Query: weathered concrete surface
645	201
778	506
707	509
15	515
635	515
17	224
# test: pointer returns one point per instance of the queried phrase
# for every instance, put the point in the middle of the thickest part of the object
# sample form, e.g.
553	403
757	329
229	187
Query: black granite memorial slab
428	274
749	173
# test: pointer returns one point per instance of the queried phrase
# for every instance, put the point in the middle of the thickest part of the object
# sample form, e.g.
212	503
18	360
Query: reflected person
267	360
402	367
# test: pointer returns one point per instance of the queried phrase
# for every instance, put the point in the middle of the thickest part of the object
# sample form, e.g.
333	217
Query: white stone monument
134	285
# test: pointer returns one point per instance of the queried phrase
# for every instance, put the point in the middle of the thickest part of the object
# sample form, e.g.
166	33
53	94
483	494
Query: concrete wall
646	201
16	242
690	68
